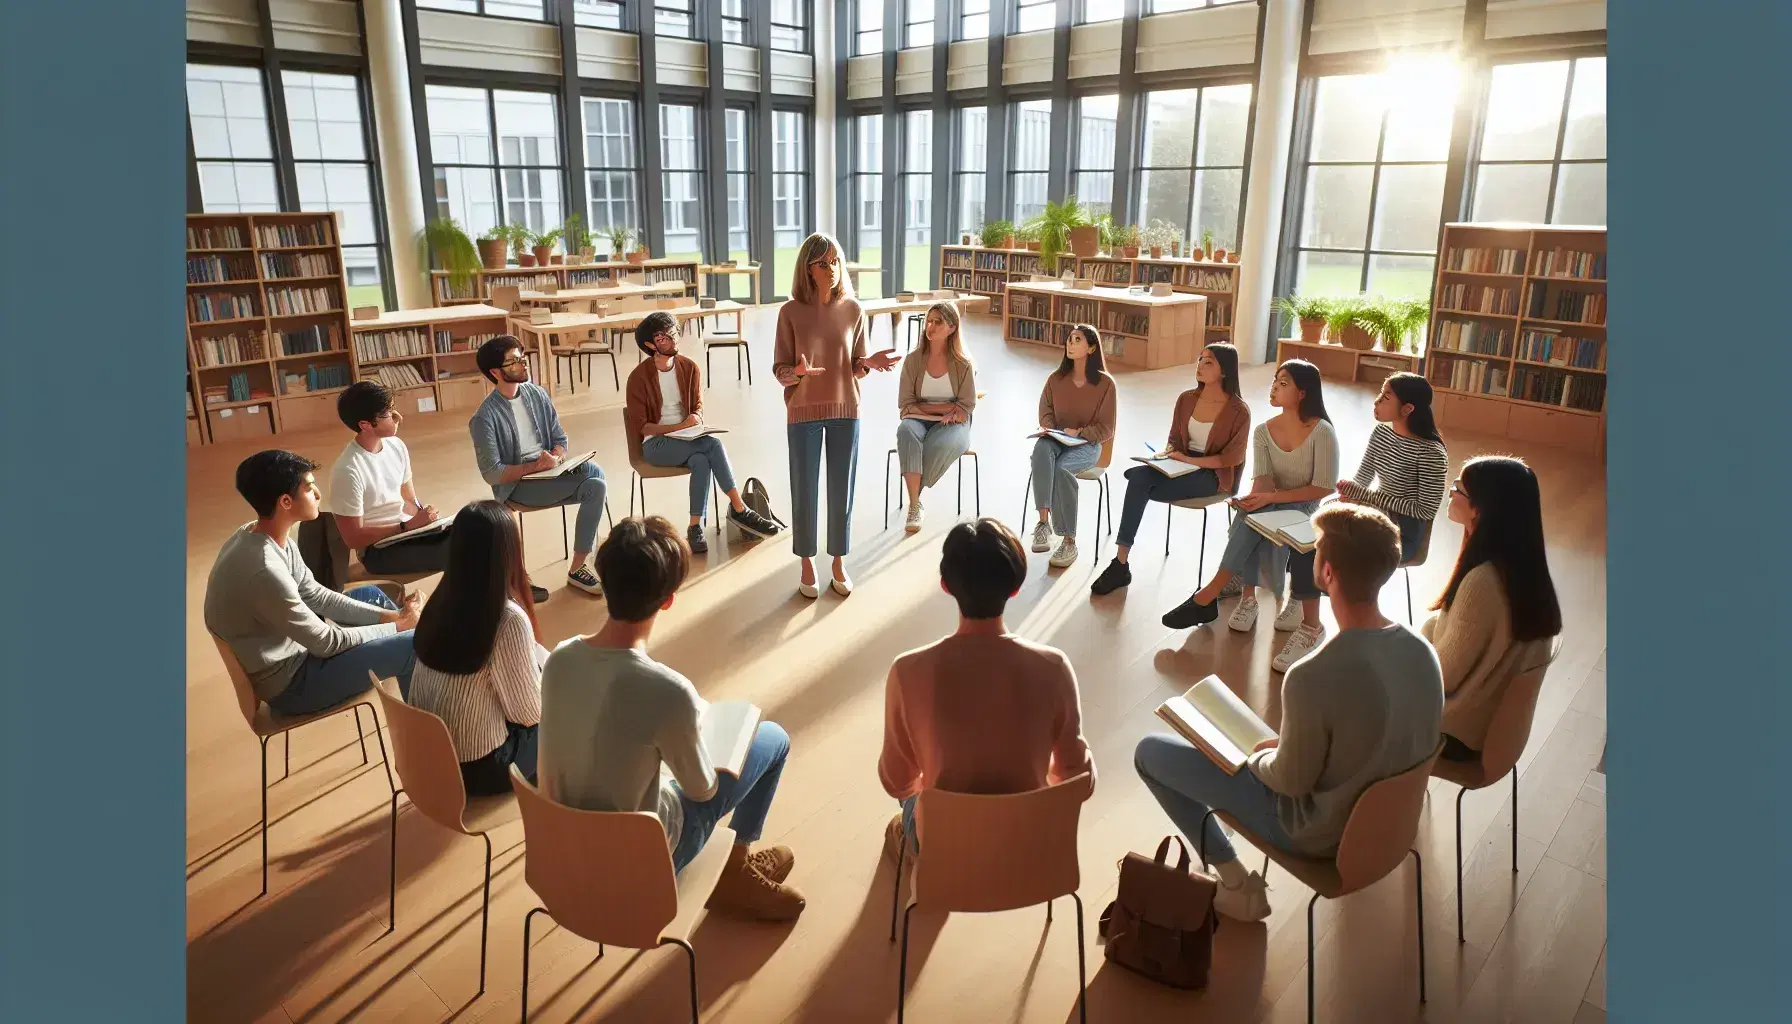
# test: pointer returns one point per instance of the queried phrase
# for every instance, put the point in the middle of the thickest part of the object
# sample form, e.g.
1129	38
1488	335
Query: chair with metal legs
1104	498
429	773
1198	503
902	492
642	471
517	508
1417	559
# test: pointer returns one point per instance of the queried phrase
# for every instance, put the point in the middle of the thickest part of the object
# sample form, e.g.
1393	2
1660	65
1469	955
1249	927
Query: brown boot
743	892
774	862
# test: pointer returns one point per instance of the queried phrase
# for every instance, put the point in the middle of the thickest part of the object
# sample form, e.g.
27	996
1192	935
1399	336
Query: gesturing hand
804	368
882	360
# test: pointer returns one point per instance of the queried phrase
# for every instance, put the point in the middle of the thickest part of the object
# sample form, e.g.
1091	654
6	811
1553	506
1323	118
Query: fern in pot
494	244
997	234
1053	225
1343	324
442	244
1310	311
618	236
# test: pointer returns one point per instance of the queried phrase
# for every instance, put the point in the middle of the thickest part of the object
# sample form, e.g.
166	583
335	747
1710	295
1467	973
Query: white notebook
727	728
1059	436
1211	716
439	526
565	464
1166	465
693	433
1288	527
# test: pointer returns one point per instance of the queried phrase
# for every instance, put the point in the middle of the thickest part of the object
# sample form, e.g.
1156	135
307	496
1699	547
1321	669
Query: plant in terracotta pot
1207	243
443	245
964	240
997	234
1311	312
494	244
519	238
1063	228
1406	319
1232	257
640	254
1126	236
1344	323
542	245
1155	238
1028	236
618	236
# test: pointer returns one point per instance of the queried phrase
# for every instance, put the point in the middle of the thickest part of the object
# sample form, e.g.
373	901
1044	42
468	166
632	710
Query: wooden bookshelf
426	357
975	270
562	277
1145	332
267	322
1517	342
1335	362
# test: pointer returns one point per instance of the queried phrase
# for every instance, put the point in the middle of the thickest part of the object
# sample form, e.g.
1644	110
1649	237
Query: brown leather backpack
1162	923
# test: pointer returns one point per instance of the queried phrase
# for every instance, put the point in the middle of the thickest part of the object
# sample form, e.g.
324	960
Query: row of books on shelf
396	344
1029	330
282	236
989	283
1478	260
288	264
1556	387
1023	304
1472	375
586	278
1472	336
204	307
1156	273
1113	346
1219	314
1126	323
1561	262
1208	280
398	375
314	378
1562	350
528	281
658	275
1474	298
222	349
1078	310
218	269
1103	272
992	261
316	338
237	389
215	236
446	342
960	259
292	300
1570	306
959	279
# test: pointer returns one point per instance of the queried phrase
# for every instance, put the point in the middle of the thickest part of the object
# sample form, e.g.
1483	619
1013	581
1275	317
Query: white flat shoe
808	590
841	587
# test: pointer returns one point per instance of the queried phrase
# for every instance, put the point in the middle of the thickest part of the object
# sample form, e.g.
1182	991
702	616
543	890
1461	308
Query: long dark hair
1312	398
1414	390
1227	357
1509	533
485	568
1092	366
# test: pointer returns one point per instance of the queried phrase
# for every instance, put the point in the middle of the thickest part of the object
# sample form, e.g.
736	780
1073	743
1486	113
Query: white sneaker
1291	616
1042	536
1245	615
1249	902
915	515
1299	645
1065	554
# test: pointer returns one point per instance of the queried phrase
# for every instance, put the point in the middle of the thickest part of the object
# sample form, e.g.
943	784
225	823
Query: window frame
860	32
959	174
1555	162
623	8
547	12
699	172
490	85
802	28
1194	166
910	23
1022	6
1077	167
857	198
1014	171
370	161
636	172
964	17
805	225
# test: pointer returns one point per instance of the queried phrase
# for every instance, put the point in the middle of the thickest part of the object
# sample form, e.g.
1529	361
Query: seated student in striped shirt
479	652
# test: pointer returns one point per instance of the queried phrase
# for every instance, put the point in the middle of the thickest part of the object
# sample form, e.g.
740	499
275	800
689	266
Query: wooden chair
737	340
1381	831
1507	733
507	297
1104	498
345	566
642	471
517	508
1417	559
1203	504
429	773
983	854
266	724
607	877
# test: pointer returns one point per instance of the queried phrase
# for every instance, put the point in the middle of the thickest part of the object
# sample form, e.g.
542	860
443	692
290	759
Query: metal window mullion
891	257
1555	171
1058	143
1381	143
1194	162
762	188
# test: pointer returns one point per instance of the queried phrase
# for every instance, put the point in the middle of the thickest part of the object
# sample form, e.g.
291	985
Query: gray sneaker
1042	537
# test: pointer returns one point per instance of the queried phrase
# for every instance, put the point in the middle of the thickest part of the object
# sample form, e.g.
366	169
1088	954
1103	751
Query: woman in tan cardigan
1079	401
935	397
1499	613
1210	430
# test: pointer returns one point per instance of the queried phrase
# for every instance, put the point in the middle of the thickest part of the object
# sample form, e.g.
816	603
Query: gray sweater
264	603
1361	708
495	442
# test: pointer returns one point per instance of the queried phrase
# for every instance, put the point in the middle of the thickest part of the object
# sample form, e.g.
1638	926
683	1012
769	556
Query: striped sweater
477	707
1403	475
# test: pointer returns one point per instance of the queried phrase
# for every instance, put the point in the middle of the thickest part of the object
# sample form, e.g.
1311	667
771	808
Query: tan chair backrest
423	755
605	876
989	853
1382	826
1510	727
507	297
1107	454
634	440
246	701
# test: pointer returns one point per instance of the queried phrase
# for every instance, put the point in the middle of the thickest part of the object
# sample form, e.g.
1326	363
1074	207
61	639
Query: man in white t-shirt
371	491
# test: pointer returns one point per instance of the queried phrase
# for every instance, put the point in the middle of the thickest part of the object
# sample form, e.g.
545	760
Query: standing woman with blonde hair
937	392
819	356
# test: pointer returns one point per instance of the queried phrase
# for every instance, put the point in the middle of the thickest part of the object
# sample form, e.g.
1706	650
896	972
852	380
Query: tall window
1031	15
917	23
674	18
790	25
1096	119
597	13
1101	10
868	30
1542	154
917	198
1191	166
528	10
330	161
790	193
867	197
228	115
973	168
738	148
610	173
479	185
1028	177
973	19
1375	180
682	181
734	25
1166	6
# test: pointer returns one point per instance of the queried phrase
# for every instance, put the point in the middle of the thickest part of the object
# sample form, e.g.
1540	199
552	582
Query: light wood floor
315	948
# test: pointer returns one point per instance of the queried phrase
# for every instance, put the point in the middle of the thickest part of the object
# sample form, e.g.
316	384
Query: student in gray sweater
304	647
1362	707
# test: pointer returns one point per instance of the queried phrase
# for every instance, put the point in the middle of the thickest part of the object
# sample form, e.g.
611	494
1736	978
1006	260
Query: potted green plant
444	246
997	234
1343	323
618	236
1232	257
519	239
1407	318
1310	311
1057	229
493	245
1155	238
542	245
1207	244
1126	236
1028	236
575	237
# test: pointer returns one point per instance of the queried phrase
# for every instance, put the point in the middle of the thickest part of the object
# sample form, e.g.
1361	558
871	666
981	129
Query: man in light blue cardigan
515	433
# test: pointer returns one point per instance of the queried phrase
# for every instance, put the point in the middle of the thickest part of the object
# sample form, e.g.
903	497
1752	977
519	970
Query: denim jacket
495	442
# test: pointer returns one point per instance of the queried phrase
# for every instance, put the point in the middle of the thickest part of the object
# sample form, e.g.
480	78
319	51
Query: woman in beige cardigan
1499	612
935	397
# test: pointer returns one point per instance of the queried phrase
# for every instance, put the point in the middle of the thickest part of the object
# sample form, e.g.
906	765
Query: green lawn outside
1400	284
366	295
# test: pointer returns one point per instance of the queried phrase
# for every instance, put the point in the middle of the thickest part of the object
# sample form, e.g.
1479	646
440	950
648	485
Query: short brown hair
983	564
1361	545
641	564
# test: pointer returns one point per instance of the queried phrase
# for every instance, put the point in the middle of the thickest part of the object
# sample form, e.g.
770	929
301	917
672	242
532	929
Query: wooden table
538	339
853	270
593	293
895	308
755	290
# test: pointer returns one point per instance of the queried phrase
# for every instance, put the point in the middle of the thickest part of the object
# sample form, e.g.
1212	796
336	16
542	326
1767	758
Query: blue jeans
1145	485
1187	784
490	775
1300	564
322	683
583	486
1055	467
840	439
929	448
705	456
749	797
1258	561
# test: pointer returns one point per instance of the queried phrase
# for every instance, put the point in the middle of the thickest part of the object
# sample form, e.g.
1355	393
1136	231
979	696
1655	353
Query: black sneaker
693	535
1190	613
539	595
752	523
585	580
1118	574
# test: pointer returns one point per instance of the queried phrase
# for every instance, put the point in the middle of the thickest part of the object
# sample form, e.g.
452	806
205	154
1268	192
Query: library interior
1305	297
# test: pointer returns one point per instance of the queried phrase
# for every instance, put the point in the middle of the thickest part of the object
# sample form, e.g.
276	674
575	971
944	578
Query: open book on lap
568	463
440	526
1288	527
728	728
1059	436
1219	724
693	433
1166	465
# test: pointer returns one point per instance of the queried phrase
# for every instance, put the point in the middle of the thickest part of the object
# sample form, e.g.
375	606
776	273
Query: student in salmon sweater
819	357
1080	400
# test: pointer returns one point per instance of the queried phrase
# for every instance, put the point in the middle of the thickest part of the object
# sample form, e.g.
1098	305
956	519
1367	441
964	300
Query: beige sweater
833	337
1089	408
1479	658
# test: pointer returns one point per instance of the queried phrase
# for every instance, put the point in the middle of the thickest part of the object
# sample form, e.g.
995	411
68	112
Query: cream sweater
1476	651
